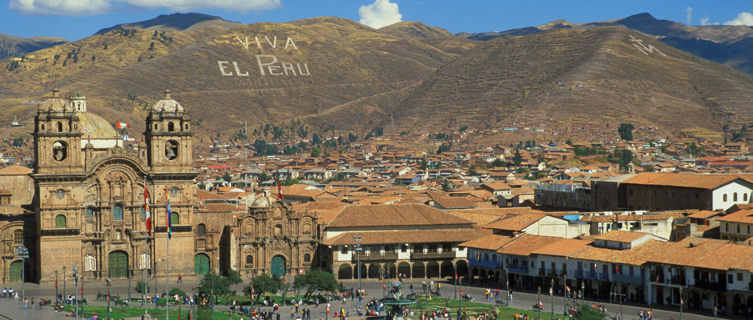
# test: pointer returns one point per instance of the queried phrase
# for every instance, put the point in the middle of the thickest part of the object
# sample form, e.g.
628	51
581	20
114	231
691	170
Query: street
520	300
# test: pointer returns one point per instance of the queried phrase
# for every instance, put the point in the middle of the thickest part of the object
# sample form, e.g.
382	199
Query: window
18	236
117	212
724	197
170	126
738	228
186	126
748	229
745	197
734	196
307	257
171	149
249	260
739	276
60	221
729	278
174	191
174	218
404	248
89	212
59	193
156	126
201	229
143	214
60	126
59	150
344	250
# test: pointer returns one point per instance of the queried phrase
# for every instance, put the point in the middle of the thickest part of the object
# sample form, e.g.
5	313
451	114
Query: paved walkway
521	300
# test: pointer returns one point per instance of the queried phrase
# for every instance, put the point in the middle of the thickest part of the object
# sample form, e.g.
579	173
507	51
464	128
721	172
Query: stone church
87	208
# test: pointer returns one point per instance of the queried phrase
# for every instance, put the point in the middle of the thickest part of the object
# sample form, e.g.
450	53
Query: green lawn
472	308
127	312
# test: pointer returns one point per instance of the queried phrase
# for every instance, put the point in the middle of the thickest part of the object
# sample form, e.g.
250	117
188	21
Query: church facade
85	206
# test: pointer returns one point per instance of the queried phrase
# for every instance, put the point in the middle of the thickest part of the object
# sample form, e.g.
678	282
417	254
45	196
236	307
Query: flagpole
167	256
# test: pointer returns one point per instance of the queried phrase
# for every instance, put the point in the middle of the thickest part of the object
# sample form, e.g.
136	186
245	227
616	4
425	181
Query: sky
77	19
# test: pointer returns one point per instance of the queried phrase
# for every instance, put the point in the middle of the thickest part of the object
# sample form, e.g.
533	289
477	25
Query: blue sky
76	19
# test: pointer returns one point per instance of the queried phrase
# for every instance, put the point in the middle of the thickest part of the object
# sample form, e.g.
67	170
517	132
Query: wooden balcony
375	256
432	255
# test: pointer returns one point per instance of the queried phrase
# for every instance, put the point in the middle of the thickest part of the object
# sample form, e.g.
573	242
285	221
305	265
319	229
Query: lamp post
357	238
109	284
538	302
681	303
64	277
56	286
75	285
583	291
551	293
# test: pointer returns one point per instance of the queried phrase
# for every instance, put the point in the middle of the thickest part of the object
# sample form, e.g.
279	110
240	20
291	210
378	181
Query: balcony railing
375	256
433	255
637	278
704	284
492	264
678	281
517	269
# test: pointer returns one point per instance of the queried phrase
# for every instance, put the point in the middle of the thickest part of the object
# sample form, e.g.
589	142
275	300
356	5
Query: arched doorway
419	270
277	266
389	271
118	264
448	270
432	270
201	264
16	271
374	271
461	268
345	272
403	269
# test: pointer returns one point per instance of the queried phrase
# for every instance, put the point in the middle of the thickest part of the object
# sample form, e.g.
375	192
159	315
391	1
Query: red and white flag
122	125
146	210
279	190
567	288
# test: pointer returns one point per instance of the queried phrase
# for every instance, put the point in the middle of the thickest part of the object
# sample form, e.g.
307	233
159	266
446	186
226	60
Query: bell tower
168	137
57	137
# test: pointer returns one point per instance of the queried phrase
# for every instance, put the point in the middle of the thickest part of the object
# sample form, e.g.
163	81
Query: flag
122	125
567	288
279	190
147	210
168	228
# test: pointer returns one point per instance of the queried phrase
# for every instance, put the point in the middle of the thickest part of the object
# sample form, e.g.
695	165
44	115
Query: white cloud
183	5
379	14
87	7
61	7
688	15
706	22
742	19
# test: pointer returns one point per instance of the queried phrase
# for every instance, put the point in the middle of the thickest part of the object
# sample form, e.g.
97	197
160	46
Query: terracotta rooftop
14	171
742	216
526	244
620	236
562	247
684	180
491	242
408	236
515	222
394	215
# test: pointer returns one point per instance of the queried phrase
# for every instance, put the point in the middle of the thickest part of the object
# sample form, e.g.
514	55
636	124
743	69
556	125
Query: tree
316	139
498	163
264	284
214	284
234	277
626	131
316	152
693	149
227	177
517	158
443	148
622	157
302	132
315	280
352	137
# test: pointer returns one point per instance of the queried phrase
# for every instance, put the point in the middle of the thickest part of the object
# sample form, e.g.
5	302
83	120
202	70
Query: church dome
167	104
94	126
263	202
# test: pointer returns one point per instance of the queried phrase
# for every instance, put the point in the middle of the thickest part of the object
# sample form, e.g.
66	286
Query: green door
278	266
16	271
118	264
201	264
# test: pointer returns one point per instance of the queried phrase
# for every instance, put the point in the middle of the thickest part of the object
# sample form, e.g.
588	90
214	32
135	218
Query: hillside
332	74
332	62
14	47
581	82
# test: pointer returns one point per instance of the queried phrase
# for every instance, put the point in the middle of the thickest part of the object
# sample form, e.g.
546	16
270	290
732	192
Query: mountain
14	47
583	82
313	68
180	21
729	45
330	74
